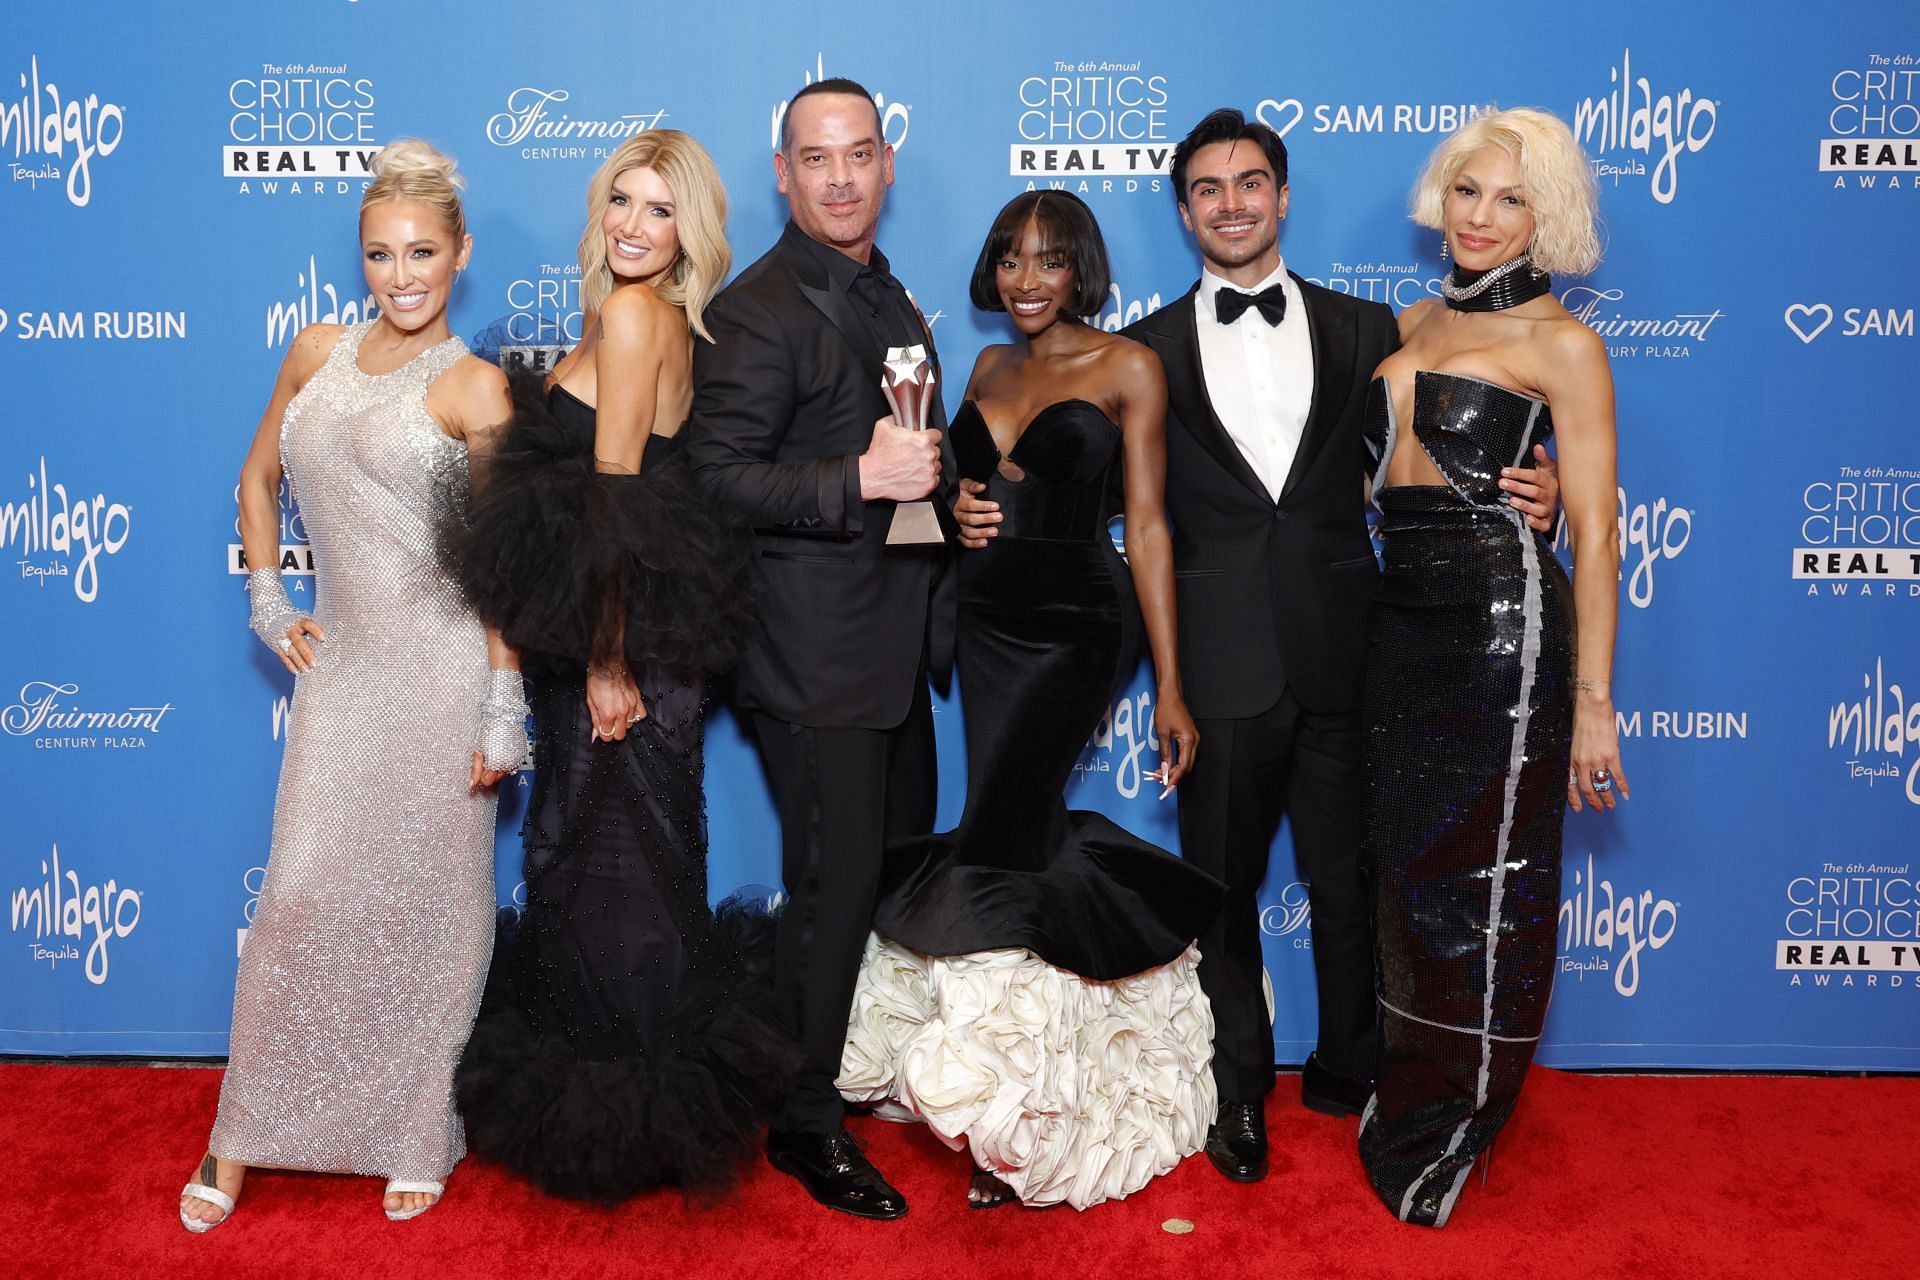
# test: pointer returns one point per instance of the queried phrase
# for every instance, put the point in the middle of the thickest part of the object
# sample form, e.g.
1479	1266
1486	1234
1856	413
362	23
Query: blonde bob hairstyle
699	216
1556	179
409	169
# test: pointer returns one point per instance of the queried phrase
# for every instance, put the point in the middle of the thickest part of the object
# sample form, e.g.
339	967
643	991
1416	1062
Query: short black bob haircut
1227	125
1066	227
832	84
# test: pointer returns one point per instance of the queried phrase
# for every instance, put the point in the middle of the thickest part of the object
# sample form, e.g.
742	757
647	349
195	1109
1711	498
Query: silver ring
286	644
636	718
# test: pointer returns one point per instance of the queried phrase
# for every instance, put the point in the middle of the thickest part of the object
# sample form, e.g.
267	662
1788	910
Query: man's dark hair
832	84
1066	227
1227	125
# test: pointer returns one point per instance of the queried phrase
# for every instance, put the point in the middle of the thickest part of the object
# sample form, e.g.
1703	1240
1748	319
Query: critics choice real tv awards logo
1641	128
1859	534
1871	138
300	129
544	321
54	132
1851	925
296	556
1089	125
62	918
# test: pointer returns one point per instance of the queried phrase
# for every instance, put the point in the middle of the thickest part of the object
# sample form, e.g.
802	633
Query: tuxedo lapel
833	304
1187	379
1331	334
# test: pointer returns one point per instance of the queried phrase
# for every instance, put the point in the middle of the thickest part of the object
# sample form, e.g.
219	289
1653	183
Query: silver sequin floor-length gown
363	966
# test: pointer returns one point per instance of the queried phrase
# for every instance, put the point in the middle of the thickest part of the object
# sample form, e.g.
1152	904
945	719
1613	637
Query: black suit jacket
1272	594
784	403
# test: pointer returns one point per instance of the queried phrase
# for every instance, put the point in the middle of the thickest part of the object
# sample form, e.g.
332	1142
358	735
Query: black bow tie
1230	304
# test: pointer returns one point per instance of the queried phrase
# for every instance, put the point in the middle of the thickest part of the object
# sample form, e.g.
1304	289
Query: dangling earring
1443	247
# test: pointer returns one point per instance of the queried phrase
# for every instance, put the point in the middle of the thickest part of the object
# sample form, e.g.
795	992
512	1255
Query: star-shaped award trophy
907	379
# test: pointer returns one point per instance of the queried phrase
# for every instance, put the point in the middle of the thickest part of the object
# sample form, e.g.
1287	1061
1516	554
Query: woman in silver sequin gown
363	966
1481	726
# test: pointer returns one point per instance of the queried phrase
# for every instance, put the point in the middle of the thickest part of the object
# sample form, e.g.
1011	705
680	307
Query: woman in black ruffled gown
625	1040
1482	725
1030	990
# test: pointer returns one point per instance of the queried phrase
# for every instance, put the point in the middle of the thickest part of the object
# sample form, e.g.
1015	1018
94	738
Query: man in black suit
1267	378
789	431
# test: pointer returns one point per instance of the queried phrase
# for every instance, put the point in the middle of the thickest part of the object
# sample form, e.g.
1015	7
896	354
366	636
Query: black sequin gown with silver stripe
1468	723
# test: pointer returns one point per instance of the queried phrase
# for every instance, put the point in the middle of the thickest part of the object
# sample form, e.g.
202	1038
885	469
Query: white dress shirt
1259	376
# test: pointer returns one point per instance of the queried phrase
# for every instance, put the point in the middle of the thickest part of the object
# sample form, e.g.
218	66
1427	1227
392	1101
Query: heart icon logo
1801	318
1280	112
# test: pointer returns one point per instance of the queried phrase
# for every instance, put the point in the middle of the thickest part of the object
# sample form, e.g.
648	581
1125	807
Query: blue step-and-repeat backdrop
179	186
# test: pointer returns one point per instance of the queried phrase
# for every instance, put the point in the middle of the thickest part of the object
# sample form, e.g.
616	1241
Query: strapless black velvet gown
627	1036
1048	630
1468	723
1031	989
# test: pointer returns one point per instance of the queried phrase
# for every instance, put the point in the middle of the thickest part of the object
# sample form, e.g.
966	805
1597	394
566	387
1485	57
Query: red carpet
1597	1177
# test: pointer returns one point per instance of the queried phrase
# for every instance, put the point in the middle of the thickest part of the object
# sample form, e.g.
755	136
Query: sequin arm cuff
272	611
503	742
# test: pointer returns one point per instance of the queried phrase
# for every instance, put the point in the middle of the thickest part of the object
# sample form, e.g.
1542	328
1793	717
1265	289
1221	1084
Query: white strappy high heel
399	1186
209	1169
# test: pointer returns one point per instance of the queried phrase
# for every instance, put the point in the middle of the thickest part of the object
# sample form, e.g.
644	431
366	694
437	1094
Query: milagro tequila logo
60	536
1649	533
60	915
44	713
1602	932
1876	731
534	116
1124	732
895	117
1631	125
44	126
316	302
1119	312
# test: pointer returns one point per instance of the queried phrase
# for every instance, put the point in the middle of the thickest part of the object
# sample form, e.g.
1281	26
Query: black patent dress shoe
1329	1094
835	1172
1237	1143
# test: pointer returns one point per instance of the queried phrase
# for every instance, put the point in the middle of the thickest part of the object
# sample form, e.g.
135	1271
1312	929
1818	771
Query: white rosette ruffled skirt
1069	1090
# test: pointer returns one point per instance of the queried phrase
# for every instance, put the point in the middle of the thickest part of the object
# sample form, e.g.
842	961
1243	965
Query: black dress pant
842	794
1308	766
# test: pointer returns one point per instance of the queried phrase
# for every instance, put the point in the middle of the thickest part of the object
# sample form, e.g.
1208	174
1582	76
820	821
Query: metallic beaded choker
1507	285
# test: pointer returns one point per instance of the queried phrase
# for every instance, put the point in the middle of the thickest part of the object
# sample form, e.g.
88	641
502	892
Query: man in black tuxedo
789	431
1267	378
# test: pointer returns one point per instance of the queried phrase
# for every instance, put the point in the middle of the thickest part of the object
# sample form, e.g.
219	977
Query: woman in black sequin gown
1481	724
1031	991
625	1040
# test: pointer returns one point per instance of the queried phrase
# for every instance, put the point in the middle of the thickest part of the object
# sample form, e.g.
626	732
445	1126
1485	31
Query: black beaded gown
1468	724
627	1037
1031	990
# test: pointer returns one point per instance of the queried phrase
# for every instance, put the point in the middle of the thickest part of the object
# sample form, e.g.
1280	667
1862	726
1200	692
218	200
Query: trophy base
915	524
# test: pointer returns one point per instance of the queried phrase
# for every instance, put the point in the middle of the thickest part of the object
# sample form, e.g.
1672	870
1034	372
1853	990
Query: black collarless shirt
879	301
